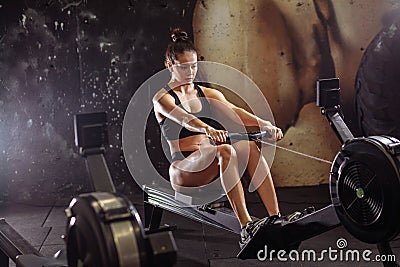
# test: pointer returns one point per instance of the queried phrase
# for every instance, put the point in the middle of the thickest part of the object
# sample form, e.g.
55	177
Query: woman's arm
240	115
164	104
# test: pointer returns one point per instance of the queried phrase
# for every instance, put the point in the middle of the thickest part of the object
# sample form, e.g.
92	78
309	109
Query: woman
183	111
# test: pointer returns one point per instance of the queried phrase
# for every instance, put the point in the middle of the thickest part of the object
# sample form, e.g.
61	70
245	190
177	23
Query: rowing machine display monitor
328	99
104	229
328	93
90	130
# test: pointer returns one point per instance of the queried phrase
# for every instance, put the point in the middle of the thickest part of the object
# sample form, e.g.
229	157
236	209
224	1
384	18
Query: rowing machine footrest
268	237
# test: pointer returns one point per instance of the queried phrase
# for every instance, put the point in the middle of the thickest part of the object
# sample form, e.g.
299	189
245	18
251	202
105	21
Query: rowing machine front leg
152	214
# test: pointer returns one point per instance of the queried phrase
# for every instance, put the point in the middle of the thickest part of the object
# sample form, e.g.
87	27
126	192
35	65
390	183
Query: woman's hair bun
180	43
178	35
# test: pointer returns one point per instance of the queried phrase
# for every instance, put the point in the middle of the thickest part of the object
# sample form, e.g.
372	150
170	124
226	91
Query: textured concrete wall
285	46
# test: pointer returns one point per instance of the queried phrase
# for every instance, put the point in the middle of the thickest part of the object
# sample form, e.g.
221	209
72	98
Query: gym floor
198	244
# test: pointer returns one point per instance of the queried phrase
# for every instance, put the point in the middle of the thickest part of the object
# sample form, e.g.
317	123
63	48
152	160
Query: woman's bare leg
229	173
259	172
223	162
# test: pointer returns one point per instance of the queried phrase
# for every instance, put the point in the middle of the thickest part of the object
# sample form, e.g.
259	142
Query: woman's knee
175	174
253	148
225	152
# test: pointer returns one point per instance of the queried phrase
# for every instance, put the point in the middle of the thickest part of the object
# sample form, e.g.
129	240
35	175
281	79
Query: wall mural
58	58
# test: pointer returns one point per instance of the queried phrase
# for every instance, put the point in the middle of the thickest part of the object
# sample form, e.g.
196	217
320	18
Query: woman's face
184	68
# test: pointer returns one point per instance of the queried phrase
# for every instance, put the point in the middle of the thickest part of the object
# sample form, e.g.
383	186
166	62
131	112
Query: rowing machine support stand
152	214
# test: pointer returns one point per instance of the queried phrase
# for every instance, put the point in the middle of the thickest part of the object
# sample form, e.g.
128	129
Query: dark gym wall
59	58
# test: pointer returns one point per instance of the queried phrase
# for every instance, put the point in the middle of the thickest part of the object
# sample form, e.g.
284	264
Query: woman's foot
251	227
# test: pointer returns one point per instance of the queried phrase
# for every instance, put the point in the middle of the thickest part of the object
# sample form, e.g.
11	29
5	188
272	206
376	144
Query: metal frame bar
156	200
12	244
335	118
98	169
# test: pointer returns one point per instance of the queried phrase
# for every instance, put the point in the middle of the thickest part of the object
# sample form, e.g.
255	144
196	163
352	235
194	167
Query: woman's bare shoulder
211	92
160	94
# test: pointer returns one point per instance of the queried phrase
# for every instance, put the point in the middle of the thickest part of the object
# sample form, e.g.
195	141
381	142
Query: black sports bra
172	130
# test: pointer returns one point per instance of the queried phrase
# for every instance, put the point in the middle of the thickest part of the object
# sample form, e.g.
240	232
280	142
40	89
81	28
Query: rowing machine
364	186
364	179
103	228
364	182
281	234
190	202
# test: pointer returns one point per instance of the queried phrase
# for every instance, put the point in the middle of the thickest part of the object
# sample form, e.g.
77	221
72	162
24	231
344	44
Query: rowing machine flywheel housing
365	188
104	229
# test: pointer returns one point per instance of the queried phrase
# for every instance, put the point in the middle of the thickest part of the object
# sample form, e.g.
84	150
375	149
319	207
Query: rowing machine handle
251	136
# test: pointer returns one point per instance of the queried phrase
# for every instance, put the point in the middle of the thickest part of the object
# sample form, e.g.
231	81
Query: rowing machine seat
200	195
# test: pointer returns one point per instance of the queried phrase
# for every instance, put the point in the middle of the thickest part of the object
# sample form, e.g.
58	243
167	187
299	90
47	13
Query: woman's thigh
251	158
246	151
199	168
